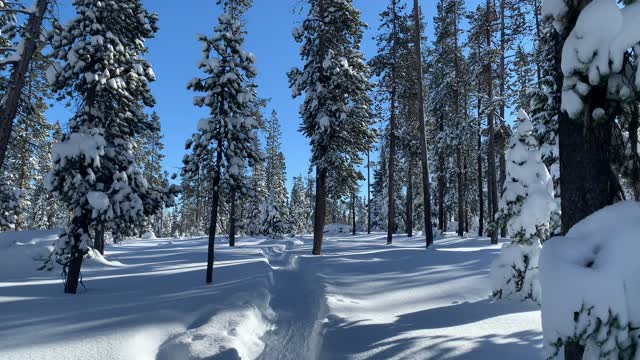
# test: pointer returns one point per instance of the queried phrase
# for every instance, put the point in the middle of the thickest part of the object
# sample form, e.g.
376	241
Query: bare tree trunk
320	210
426	185
9	107
73	276
213	221
409	223
232	221
368	192
493	193
99	240
391	211
353	213
480	190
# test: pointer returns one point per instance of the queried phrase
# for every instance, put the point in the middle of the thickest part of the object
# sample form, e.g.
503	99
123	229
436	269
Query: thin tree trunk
633	139
213	221
320	210
9	107
410	199
391	211
493	191
426	185
353	213
232	221
368	192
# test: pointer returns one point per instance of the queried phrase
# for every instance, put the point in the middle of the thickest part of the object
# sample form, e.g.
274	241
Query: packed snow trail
270	300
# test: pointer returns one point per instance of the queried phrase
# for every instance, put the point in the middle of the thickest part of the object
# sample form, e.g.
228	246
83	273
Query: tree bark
9	108
391	202
426	185
213	221
409	223
368	192
232	221
493	191
480	190
353	213
73	276
99	240
320	210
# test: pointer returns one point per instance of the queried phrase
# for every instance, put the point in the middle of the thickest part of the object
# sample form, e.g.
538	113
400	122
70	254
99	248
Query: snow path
270	300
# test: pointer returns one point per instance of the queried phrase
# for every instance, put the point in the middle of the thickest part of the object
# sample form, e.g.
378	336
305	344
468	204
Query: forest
478	171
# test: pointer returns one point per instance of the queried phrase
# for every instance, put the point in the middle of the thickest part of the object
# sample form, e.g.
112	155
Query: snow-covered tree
94	173
298	207
336	108
275	212
526	206
230	130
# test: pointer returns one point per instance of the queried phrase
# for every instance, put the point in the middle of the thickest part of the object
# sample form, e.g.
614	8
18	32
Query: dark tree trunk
320	211
633	139
232	221
442	182
426	185
391	211
73	275
368	193
409	223
9	109
99	241
493	193
460	192
503	179
480	190
213	221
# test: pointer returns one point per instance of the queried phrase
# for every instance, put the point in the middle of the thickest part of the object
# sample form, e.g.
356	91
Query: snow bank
590	283
21	252
230	334
149	235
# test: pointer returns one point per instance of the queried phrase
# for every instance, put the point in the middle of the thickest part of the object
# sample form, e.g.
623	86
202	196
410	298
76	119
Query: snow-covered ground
270	300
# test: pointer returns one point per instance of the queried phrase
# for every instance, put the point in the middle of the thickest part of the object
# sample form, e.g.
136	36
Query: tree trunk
213	221
9	108
99	241
232	221
391	211
426	185
493	191
460	192
409	223
320	210
353	213
633	140
73	276
368	193
480	190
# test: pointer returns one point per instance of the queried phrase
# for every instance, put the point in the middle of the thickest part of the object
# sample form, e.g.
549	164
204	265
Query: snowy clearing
270	300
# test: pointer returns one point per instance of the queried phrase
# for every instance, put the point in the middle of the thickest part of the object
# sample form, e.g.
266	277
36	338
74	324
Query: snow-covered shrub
526	206
589	279
148	235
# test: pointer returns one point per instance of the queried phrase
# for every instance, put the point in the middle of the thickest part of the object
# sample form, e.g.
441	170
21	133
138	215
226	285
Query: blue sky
174	54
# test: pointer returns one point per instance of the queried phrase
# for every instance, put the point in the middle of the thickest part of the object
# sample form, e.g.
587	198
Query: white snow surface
595	264
270	300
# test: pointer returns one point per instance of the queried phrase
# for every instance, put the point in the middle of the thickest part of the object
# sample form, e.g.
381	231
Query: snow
98	200
89	146
594	265
270	300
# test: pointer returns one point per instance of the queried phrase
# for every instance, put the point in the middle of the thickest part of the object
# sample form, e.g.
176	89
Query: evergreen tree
94	173
336	108
275	210
526	207
298	207
230	131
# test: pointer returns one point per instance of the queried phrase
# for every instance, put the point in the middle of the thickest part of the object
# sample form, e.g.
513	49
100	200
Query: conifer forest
319	179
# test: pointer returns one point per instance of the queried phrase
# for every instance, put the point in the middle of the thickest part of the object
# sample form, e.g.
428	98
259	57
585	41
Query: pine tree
275	210
336	108
94	173
525	207
298	207
230	131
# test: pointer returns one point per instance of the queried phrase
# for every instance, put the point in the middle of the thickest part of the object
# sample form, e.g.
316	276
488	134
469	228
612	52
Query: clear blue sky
174	54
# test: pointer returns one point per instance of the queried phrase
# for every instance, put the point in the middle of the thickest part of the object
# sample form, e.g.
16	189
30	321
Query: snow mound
228	335
21	252
589	282
149	235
